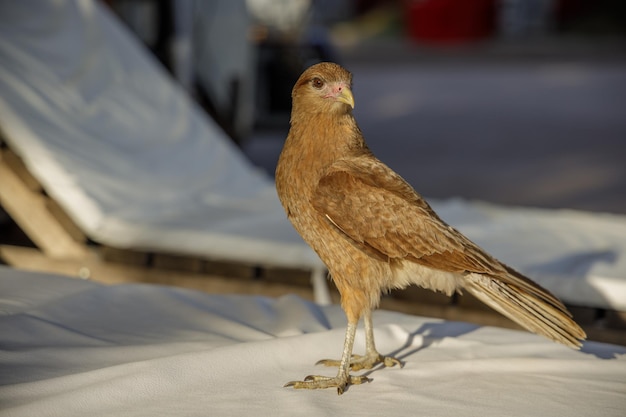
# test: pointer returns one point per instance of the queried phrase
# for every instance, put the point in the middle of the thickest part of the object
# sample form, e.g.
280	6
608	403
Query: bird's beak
345	96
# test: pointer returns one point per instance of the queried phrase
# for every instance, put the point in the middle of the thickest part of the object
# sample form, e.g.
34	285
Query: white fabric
78	348
137	165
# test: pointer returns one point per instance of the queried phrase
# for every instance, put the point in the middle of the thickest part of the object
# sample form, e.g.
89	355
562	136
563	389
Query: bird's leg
371	357
343	378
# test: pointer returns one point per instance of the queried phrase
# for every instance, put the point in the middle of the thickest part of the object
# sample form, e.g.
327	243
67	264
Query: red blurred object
450	21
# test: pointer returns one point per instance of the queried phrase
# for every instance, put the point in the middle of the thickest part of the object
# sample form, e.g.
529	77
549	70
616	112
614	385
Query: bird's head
323	88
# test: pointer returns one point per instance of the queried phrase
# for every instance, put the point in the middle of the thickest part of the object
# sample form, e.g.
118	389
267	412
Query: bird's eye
317	83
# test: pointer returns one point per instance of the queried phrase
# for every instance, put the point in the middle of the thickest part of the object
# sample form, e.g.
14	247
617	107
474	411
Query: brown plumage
375	233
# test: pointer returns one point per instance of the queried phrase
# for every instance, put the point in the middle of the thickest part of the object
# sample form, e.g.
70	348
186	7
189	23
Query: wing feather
379	212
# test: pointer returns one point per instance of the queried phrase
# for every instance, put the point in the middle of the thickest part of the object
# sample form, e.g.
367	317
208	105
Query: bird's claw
321	382
358	362
390	361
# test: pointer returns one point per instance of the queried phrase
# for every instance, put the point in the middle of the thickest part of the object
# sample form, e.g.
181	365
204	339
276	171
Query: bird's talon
390	361
358	380
320	382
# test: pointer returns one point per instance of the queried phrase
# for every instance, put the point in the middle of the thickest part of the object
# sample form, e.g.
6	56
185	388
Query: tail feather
529	305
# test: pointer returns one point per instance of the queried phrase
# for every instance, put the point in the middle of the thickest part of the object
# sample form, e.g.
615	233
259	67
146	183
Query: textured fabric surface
77	348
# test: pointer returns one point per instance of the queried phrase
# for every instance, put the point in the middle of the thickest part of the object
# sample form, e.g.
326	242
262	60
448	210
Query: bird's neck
326	137
314	143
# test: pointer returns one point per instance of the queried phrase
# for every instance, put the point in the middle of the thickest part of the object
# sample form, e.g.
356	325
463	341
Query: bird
375	233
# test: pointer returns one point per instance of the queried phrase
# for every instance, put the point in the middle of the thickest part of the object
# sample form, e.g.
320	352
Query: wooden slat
65	221
583	315
289	276
28	210
230	269
94	268
599	334
616	319
196	264
125	256
17	166
178	262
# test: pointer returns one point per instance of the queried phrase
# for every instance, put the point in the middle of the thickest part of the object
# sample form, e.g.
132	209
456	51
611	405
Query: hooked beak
345	96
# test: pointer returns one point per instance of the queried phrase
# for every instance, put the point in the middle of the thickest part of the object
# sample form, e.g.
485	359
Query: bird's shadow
603	350
431	333
435	332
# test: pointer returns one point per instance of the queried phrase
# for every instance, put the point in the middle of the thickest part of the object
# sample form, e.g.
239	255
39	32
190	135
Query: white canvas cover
123	149
78	348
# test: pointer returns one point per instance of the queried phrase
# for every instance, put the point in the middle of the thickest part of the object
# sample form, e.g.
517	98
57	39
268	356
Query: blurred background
515	102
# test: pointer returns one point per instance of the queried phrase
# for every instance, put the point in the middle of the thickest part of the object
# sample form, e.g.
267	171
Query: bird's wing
382	214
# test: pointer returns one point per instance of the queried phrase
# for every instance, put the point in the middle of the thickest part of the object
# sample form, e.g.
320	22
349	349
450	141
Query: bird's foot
320	382
368	361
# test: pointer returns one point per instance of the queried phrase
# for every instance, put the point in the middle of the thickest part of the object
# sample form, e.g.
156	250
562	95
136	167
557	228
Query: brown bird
375	233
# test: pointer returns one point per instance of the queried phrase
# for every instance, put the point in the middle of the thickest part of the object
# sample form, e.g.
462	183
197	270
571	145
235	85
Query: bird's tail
527	304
